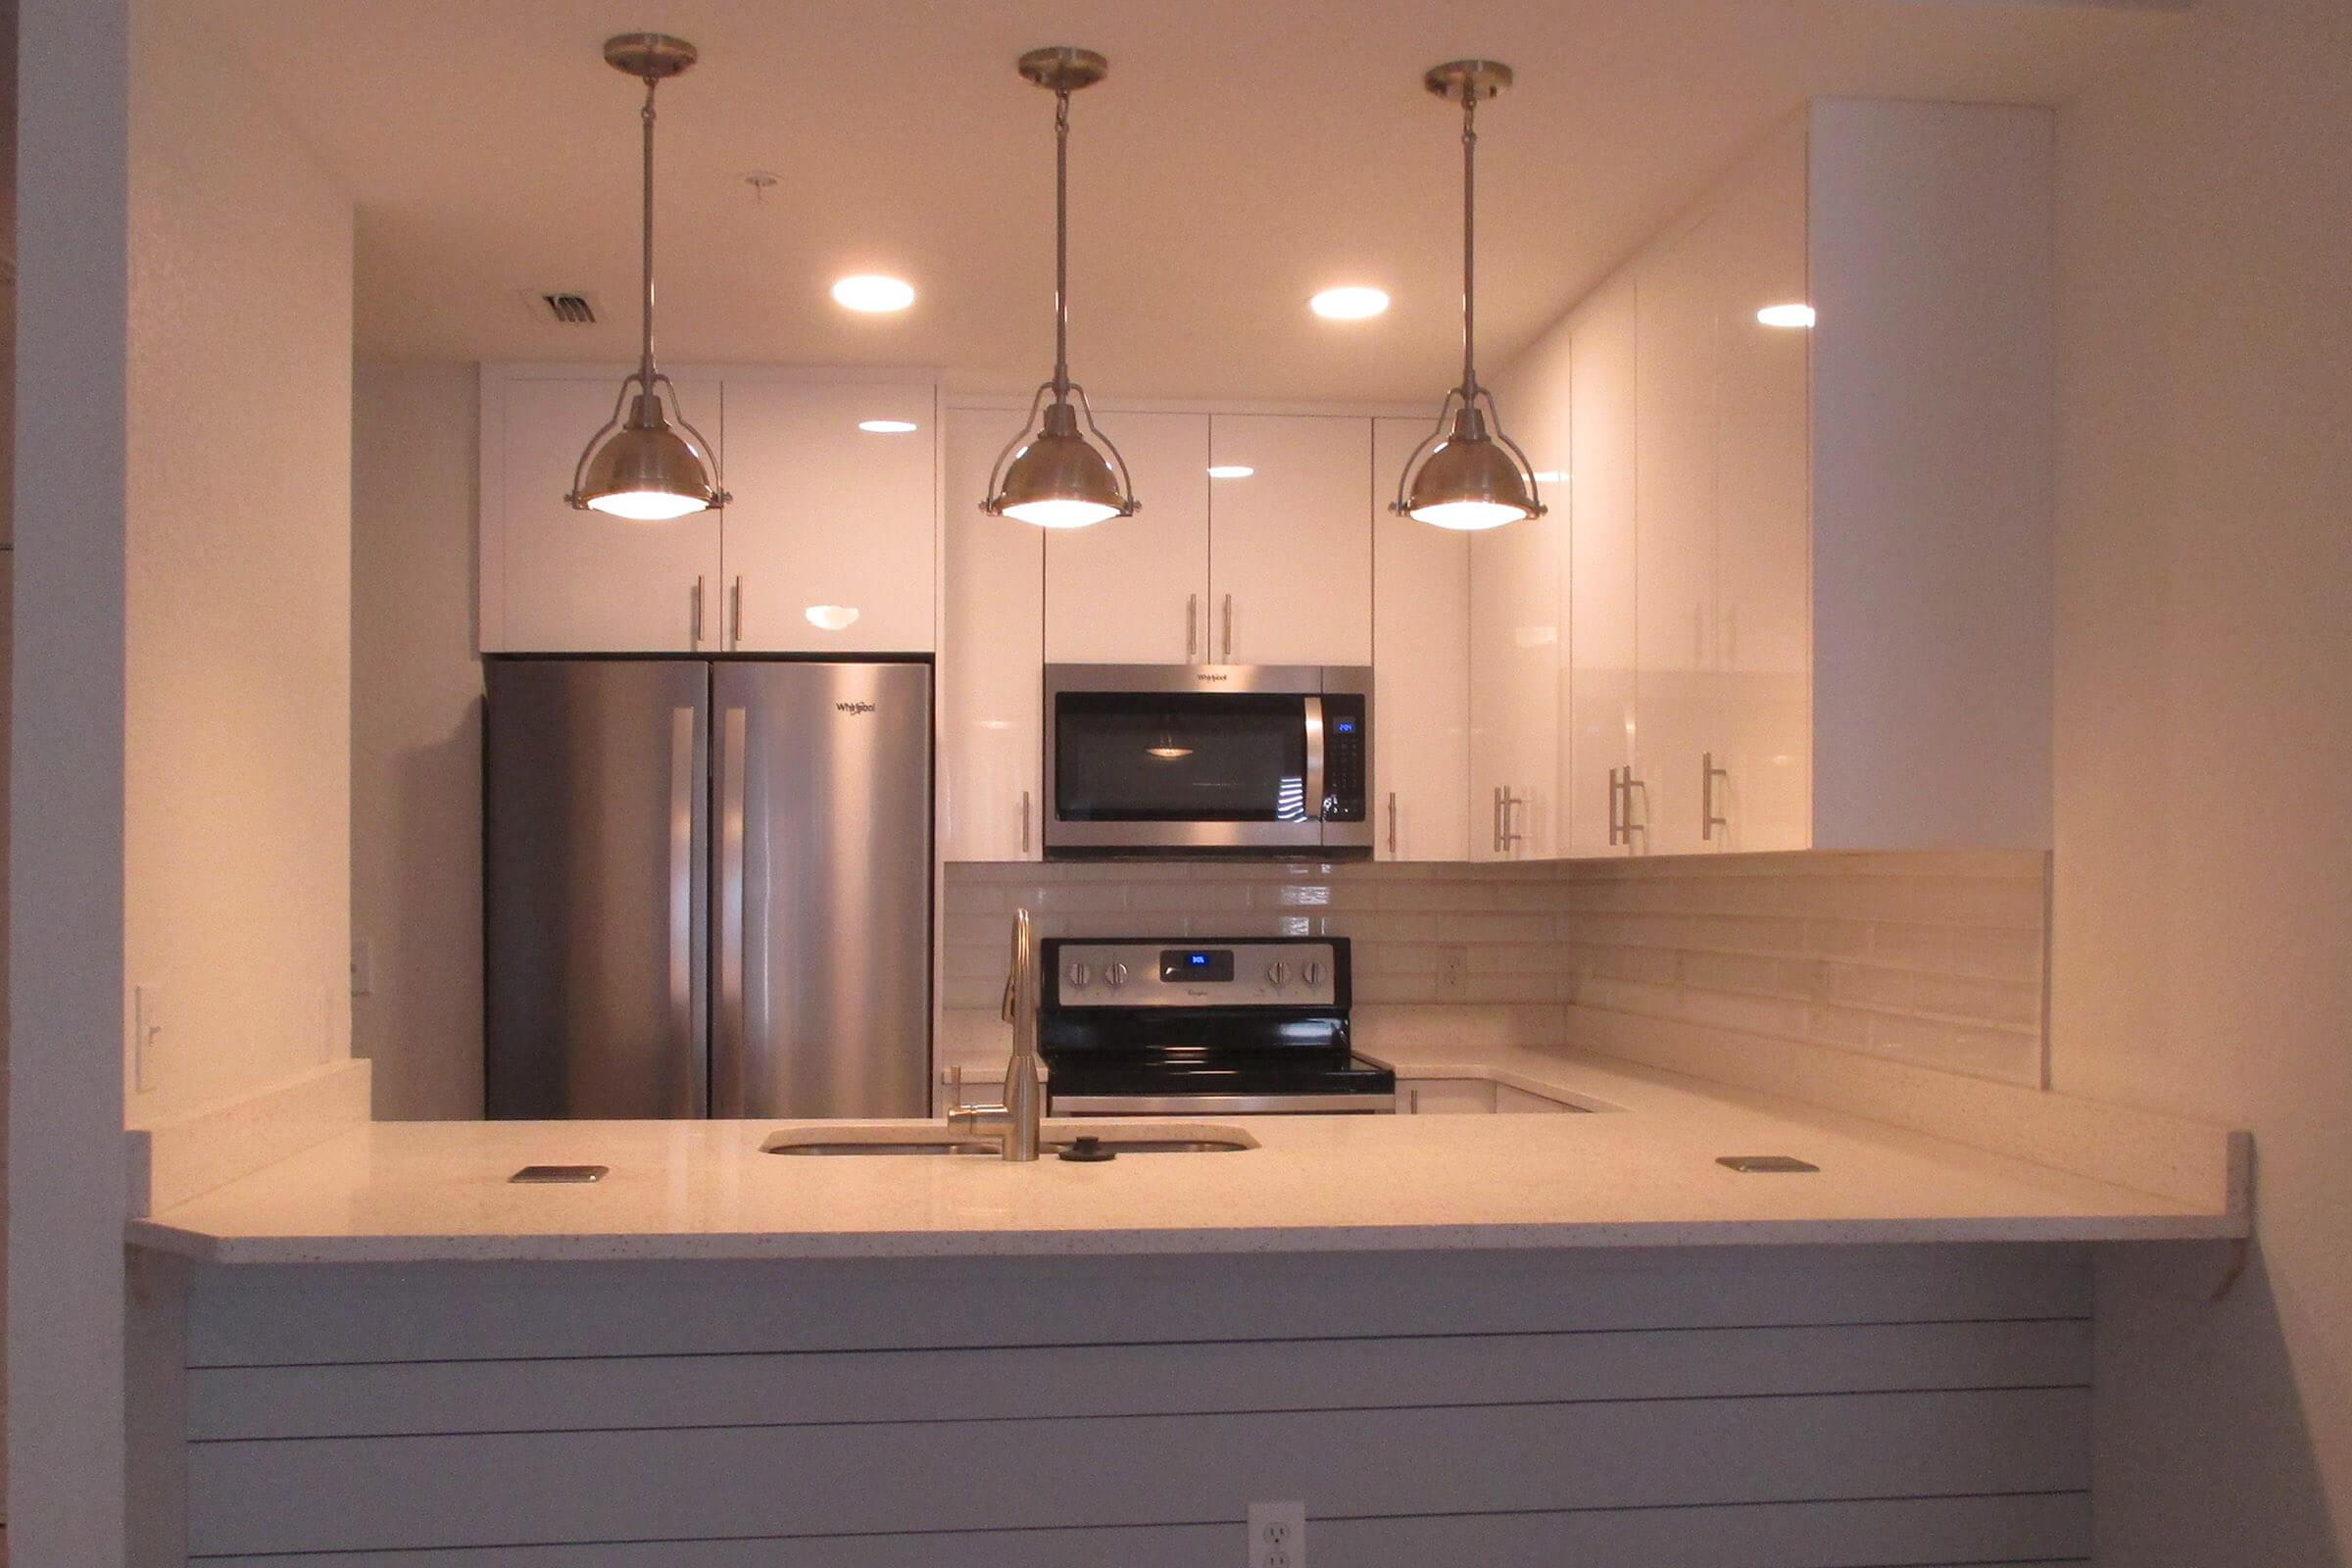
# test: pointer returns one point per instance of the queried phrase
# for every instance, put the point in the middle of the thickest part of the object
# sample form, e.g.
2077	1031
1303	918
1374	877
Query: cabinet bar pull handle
1616	828
1024	822
1392	824
1228	628
1497	834
1192	627
735	611
1708	820
698	615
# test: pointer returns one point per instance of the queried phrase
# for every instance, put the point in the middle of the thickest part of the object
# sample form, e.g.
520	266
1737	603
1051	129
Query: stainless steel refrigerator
707	888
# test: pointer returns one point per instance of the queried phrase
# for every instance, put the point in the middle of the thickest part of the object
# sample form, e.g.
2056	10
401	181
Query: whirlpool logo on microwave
853	707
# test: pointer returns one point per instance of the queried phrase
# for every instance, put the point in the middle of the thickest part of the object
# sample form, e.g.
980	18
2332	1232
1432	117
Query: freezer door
596	813
823	890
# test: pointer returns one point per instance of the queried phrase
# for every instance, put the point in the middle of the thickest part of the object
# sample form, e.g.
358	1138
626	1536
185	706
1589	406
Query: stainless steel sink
902	1139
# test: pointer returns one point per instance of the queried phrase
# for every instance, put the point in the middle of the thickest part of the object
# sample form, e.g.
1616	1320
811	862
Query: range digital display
1196	964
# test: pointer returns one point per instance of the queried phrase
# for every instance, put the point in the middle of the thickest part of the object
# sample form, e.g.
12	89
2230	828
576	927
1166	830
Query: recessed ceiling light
1795	314
886	426
871	292
1231	471
1353	303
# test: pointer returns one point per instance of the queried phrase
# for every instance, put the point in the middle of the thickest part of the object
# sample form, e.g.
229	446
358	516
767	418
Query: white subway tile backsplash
1930	958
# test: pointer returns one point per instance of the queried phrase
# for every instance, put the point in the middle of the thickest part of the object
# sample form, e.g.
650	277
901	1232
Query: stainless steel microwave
1208	759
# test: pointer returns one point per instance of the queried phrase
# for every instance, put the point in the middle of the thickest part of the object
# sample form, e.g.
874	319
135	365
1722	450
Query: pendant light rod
1469	238
645	361
1061	241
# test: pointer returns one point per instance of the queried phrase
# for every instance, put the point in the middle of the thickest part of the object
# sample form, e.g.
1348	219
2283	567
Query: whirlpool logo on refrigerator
853	707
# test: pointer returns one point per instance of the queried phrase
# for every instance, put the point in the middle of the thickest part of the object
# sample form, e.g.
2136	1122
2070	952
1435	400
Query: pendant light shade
1061	471
1467	474
647	464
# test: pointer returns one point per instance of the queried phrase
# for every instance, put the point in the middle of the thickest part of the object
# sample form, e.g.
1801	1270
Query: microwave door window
1124	756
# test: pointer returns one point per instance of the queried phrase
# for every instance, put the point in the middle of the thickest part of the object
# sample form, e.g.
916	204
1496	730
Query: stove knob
1311	972
1277	973
1117	975
1079	975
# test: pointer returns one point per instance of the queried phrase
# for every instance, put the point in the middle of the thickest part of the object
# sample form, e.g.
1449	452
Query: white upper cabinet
1420	671
1135	590
1518	630
1291	541
563	582
831	533
1758	737
991	655
1675	699
1602	556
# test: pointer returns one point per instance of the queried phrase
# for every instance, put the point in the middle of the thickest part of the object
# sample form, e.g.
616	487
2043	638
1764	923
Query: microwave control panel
1346	743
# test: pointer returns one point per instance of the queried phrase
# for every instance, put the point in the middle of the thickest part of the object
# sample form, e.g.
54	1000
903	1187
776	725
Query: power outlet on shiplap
146	1035
1454	971
1278	1535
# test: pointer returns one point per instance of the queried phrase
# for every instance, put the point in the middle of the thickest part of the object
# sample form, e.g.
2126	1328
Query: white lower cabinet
559	580
1420	672
1135	590
991	791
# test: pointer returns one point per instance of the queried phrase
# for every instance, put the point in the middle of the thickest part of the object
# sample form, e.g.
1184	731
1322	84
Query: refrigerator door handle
733	1034
685	812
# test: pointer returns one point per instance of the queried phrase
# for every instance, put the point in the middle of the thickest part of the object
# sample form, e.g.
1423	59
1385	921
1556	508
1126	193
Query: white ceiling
1243	153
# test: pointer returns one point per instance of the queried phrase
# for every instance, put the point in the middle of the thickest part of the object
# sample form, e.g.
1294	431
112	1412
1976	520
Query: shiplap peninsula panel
1807	1407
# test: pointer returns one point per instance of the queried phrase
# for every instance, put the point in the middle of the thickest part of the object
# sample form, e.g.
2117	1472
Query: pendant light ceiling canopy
647	464
1060	472
1467	474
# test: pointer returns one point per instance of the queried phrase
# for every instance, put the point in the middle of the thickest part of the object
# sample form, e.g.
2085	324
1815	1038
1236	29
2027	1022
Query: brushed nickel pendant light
1052	473
1467	474
647	465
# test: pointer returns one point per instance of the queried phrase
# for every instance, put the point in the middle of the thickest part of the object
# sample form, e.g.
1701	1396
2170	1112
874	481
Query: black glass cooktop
1281	1071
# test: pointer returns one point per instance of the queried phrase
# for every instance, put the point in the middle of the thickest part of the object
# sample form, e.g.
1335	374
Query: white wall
2204	778
237	729
415	738
180	790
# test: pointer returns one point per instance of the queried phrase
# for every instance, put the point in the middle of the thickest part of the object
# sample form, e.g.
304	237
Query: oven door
1187	758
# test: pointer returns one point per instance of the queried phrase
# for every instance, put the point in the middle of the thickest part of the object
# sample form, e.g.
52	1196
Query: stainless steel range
1183	1027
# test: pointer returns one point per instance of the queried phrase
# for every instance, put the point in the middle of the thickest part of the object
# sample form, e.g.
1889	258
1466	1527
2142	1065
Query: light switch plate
362	966
1454	971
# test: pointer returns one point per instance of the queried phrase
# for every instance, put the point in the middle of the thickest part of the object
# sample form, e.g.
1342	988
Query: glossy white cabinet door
556	580
1290	545
991	655
1135	590
1420	672
1518	640
1604	553
1675	531
831	537
1761	733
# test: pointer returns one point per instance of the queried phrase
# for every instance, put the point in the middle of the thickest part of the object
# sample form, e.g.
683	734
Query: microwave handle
1314	759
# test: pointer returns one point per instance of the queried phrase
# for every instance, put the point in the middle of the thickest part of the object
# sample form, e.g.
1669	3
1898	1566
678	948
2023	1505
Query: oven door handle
1314	759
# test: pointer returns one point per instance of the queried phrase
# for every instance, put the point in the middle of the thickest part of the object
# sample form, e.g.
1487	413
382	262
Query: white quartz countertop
1643	1174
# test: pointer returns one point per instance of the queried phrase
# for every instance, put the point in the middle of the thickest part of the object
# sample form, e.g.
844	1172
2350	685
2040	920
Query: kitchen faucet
1013	1124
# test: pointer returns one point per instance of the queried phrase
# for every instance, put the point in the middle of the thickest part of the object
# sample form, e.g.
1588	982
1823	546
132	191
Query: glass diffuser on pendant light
1467	474
647	465
1052	473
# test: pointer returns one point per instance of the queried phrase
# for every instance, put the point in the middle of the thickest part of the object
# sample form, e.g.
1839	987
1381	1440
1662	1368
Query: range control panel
1194	974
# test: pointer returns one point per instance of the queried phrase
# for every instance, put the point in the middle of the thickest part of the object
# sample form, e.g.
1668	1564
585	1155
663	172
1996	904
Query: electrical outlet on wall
362	966
146	1035
1278	1535
1454	971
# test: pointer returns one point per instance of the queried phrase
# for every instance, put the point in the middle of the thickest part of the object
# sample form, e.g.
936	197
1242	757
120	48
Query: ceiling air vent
561	307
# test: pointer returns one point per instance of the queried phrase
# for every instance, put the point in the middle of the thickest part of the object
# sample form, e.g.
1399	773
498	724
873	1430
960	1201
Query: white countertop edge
1174	1241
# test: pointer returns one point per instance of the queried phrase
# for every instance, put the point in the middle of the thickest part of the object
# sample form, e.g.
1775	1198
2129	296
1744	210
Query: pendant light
1467	474
646	464
1053	474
